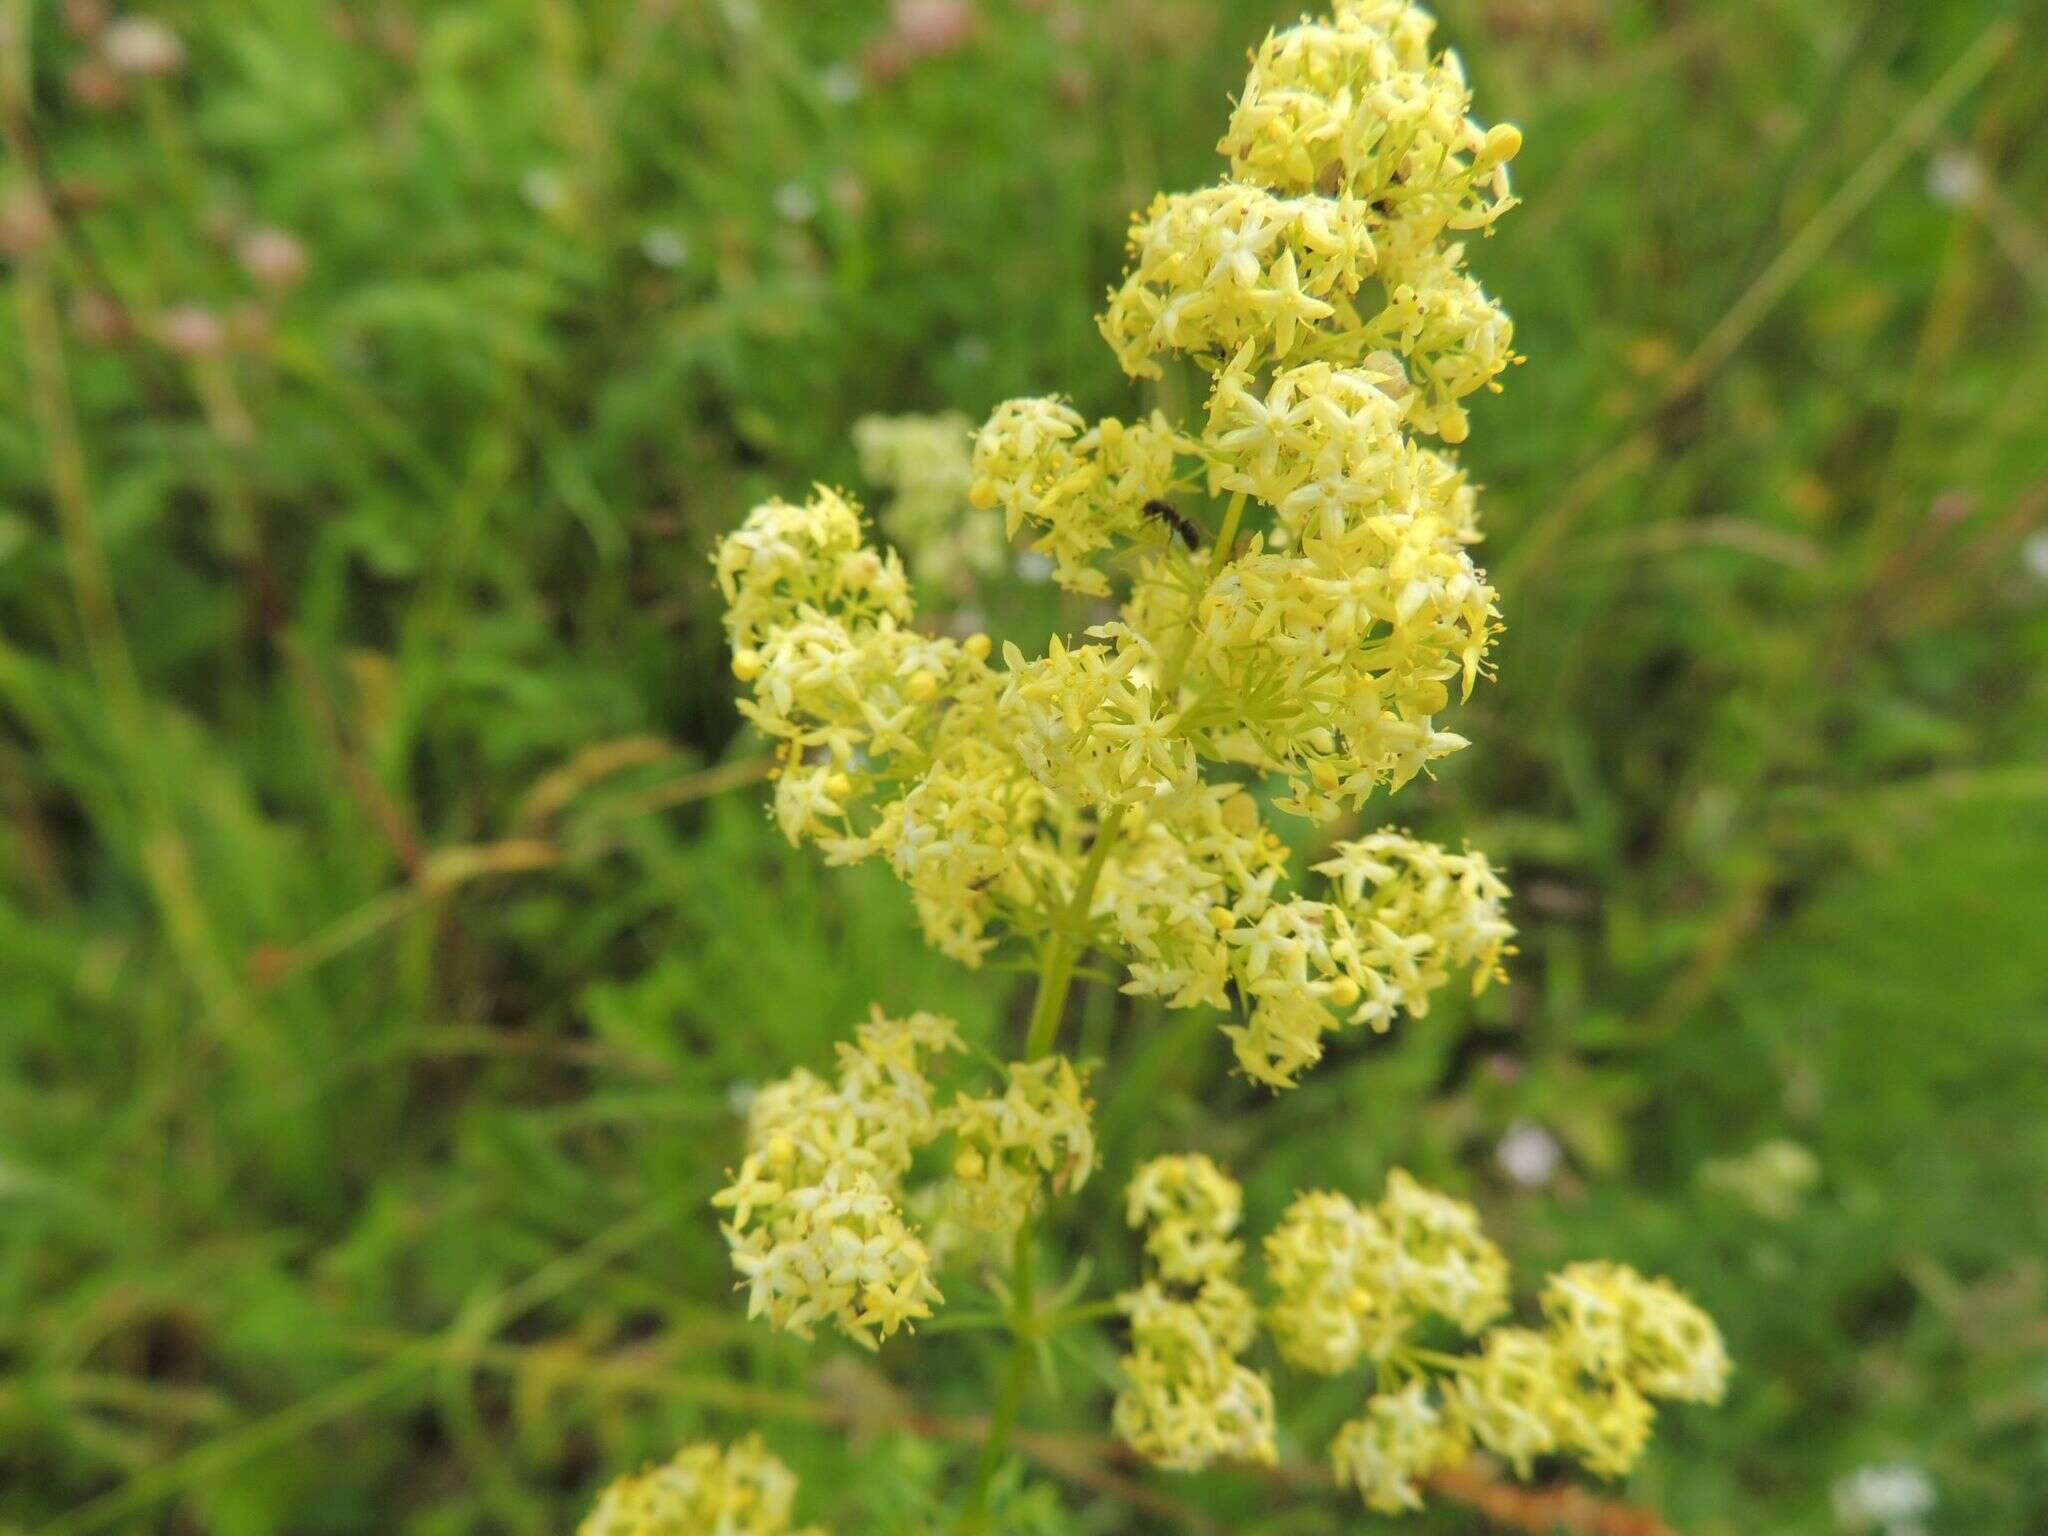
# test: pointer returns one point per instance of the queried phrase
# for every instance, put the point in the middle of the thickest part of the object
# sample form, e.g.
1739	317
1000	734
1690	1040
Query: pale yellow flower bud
1503	143
739	1490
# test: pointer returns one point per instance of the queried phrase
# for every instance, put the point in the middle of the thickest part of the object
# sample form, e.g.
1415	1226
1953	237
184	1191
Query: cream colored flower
703	1490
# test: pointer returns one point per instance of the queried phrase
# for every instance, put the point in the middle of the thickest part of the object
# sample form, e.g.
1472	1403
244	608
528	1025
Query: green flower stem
1016	1376
1063	952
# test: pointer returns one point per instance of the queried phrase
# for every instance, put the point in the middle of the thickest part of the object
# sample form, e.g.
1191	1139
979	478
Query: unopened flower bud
1503	143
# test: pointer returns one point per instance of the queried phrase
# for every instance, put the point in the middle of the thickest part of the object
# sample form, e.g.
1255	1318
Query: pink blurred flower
932	27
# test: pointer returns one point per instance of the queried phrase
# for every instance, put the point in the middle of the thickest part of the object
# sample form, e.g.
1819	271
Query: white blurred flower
142	47
840	83
1891	1497
2034	553
1529	1155
1955	179
544	189
664	247
1034	567
796	202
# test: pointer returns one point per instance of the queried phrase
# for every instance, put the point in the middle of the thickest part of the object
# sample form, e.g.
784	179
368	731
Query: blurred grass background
386	909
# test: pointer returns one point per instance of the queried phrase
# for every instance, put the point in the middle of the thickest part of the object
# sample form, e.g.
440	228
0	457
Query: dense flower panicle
1408	913
924	462
1235	271
1181	879
1189	1208
1402	1436
1312	634
818	1230
1089	723
1320	445
1349	163
1362	102
1294	964
1037	1134
1513	1399
1359	110
821	627
1606	1426
1319	644
1187	1399
1082	489
1613	1323
1354	1283
1444	1263
788	558
1430	911
953	838
704	1490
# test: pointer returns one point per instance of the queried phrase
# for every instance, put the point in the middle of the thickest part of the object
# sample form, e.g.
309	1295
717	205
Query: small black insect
1190	535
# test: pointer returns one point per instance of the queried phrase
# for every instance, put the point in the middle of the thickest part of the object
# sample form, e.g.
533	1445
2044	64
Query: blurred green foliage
363	1074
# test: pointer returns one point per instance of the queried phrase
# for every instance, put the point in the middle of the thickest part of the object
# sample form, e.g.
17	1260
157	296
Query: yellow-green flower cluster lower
704	1490
818	1226
1368	1287
1187	1399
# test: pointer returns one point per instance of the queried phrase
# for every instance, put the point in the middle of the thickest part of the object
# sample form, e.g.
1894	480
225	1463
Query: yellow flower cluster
1354	1285
1295	604
818	1230
1355	1282
1037	1132
1352	153
1074	795
1406	912
923	462
1358	1286
705	1490
1187	1399
1081	488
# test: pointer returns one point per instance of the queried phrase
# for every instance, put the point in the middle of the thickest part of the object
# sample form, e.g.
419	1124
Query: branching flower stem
1063	952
